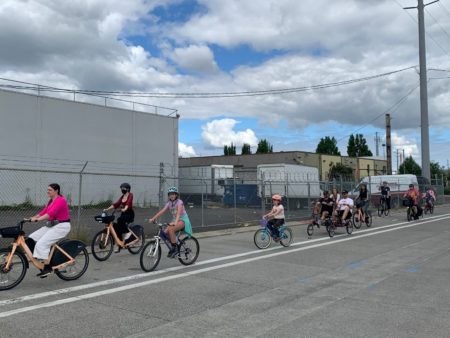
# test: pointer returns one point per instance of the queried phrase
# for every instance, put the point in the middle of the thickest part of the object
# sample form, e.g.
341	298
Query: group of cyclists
57	226
336	206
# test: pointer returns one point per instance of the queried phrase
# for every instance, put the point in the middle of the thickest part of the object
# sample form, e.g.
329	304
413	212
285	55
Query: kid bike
263	237
68	258
188	249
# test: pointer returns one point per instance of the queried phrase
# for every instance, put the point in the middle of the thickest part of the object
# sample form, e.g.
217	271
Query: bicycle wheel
381	208
349	227
189	250
150	256
16	272
357	221
286	237
431	209
136	247
262	238
310	229
102	246
386	211
408	214
77	269
368	219
330	230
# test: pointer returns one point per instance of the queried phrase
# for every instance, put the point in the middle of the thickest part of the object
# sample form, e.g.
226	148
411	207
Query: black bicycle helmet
125	186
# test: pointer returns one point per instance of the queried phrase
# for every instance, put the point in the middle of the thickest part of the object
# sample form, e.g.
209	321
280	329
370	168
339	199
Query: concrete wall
47	132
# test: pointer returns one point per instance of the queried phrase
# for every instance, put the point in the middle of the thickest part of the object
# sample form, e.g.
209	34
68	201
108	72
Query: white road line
177	268
199	271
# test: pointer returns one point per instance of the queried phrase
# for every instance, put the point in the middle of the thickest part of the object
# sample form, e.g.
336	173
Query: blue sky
210	46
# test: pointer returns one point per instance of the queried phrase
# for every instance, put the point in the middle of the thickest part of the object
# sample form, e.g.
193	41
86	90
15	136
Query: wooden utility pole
388	144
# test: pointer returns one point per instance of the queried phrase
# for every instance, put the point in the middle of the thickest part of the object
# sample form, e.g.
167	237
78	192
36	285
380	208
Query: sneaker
172	252
45	271
117	249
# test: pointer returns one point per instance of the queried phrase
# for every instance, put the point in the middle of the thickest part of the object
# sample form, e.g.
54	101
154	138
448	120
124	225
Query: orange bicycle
68	258
103	242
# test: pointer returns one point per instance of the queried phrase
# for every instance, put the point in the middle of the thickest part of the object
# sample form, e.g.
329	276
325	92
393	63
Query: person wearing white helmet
180	219
275	216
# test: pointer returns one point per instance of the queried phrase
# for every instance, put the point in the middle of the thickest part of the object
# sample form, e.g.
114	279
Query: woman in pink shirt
58	226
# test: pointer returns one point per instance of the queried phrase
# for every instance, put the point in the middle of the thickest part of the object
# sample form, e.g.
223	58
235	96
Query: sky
279	53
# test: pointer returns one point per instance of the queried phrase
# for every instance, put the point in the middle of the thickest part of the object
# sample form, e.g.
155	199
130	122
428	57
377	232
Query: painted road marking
177	268
199	271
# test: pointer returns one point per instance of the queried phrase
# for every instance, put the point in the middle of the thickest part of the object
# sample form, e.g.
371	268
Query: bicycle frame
20	243
110	231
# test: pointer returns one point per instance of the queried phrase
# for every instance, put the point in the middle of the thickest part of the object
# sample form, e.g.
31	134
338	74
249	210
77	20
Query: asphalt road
390	280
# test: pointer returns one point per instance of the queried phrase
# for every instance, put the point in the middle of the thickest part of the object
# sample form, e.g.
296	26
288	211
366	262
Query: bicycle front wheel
262	238
310	229
77	268
286	237
409	214
189	250
150	256
12	276
381	209
102	246
357	221
349	227
368	219
137	246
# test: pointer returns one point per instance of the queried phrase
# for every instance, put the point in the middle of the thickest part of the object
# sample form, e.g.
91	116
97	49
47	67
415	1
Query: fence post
80	187
161	184
201	183
234	193
263	194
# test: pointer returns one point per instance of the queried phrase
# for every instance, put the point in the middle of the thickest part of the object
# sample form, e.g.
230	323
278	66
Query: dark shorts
341	213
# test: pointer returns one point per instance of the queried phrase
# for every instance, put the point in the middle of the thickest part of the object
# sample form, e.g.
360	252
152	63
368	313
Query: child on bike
275	216
362	201
180	219
386	194
413	195
430	197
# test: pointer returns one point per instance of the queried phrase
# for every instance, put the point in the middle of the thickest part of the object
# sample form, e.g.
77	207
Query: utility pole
388	144
377	144
424	132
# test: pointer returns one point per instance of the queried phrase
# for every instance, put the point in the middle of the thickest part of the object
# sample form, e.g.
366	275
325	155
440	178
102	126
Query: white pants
45	237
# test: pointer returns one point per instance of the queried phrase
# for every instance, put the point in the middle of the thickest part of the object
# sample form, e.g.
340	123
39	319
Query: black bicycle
382	207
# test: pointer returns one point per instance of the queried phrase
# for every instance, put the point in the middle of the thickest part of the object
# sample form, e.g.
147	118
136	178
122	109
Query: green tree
328	146
409	166
229	150
436	169
357	146
340	170
246	150
264	147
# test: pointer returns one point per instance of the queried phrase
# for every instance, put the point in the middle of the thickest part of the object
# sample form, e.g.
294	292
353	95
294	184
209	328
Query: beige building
362	166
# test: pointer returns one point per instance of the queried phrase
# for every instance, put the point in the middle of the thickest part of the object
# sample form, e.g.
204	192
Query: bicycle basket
263	223
10	232
104	218
407	203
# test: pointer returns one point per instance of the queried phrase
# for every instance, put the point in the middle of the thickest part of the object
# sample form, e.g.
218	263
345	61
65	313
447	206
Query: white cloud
218	133
195	58
185	150
405	144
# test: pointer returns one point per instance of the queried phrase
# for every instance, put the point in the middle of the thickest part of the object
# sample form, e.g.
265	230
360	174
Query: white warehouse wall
37	128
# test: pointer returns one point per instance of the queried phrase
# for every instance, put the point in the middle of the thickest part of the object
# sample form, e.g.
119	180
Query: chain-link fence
210	202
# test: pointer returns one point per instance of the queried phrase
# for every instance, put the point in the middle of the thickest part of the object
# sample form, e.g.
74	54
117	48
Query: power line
214	94
435	20
415	21
391	109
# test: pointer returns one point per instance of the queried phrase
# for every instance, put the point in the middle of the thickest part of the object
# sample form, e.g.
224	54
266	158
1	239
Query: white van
396	183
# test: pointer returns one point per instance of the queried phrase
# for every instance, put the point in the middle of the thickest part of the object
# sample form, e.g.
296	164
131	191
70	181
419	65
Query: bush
447	191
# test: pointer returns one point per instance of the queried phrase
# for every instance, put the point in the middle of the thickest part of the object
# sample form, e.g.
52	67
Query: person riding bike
386	194
430	197
125	203
275	216
324	206
413	195
58	226
180	219
362	201
344	206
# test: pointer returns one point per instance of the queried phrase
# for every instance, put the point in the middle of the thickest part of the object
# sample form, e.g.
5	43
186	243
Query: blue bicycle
263	237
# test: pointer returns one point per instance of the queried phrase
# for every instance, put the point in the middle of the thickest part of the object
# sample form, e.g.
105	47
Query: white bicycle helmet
172	190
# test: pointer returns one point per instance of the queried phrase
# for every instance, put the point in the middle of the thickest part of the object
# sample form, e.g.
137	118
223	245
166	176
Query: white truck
289	180
209	179
397	183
